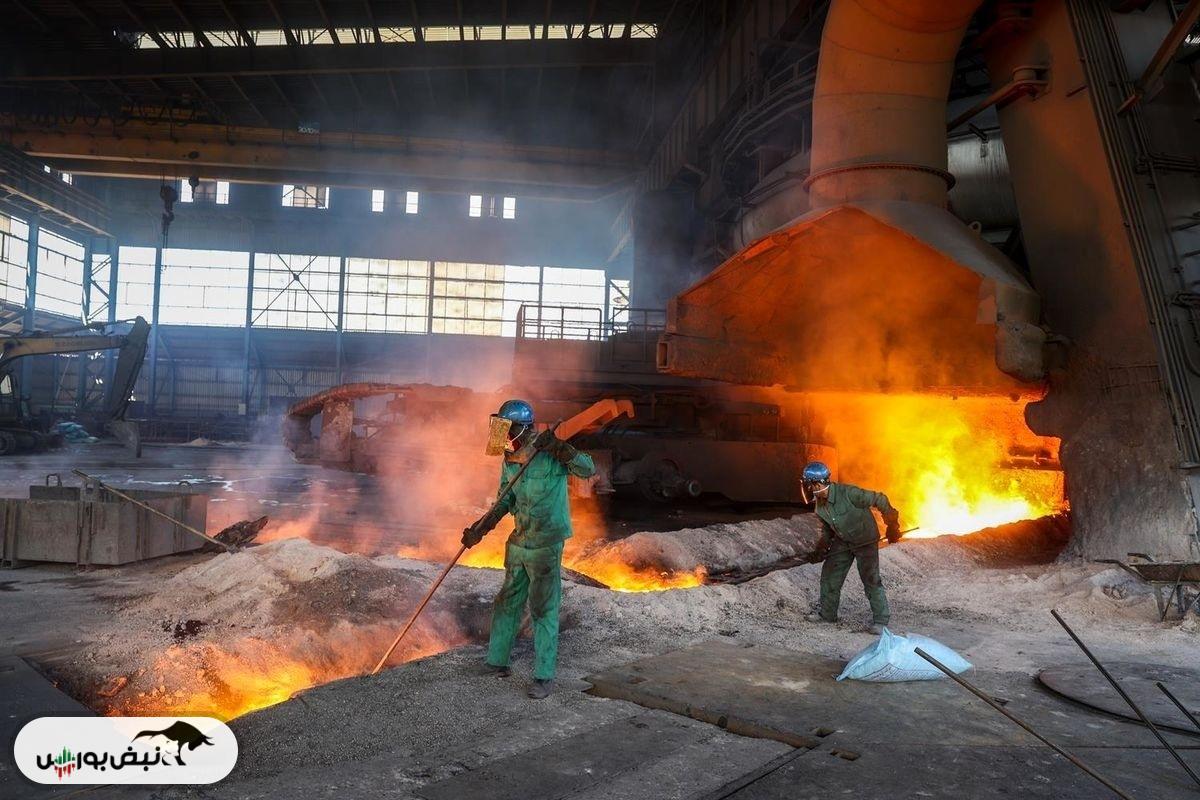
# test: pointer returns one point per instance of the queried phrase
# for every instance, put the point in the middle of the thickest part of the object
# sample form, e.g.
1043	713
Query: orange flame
951	465
234	678
605	568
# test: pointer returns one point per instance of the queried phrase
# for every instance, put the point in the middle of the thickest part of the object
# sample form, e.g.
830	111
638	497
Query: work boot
494	671
540	689
816	617
875	629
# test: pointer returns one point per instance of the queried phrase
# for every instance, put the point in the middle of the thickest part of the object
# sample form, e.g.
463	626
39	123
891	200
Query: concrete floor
434	729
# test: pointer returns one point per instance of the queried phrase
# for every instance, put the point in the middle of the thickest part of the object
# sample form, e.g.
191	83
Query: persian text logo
107	750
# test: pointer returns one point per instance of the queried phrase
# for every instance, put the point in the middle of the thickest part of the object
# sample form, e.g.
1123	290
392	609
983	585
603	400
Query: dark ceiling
77	59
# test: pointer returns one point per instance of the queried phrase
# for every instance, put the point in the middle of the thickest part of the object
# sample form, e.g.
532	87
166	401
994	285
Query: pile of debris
243	630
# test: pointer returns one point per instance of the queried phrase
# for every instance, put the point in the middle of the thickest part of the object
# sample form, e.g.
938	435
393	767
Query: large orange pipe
879	109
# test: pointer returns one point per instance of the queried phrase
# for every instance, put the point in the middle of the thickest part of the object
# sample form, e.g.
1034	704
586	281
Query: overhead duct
878	286
982	191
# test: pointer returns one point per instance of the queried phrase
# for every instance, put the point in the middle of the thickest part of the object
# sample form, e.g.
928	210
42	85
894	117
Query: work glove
474	534
892	520
471	536
562	452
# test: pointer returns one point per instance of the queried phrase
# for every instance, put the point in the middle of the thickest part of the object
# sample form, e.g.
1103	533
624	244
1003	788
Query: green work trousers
833	575
530	573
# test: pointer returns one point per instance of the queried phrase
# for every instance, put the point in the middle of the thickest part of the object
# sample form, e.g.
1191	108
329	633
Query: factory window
573	302
203	287
487	205
394	35
206	191
377	198
14	259
60	275
67	177
135	282
305	196
401	34
411	201
387	295
481	299
295	291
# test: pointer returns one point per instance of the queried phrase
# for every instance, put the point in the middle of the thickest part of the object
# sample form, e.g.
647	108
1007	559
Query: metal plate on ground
1084	684
572	765
773	693
24	695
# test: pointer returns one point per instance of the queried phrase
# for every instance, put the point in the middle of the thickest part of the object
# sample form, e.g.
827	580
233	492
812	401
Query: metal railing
588	323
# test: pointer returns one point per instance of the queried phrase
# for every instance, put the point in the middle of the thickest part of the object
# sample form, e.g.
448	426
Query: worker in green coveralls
533	554
850	534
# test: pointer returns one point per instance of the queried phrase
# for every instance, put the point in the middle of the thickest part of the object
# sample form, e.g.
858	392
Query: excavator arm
16	433
21	346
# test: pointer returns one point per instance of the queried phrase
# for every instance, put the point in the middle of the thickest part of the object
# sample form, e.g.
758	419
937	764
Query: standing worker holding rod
850	534
533	554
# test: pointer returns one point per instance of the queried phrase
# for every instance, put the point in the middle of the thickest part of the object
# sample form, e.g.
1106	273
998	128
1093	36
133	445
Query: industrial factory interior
540	399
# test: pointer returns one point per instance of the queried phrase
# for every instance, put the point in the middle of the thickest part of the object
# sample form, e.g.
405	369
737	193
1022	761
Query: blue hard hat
519	411
816	472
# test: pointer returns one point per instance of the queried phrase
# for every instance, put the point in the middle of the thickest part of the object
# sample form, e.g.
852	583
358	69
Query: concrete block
55	524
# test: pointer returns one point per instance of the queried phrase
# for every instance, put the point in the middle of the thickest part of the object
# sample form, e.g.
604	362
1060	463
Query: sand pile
237	631
241	630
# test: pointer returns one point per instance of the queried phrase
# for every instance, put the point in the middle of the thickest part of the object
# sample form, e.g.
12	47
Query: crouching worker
849	534
533	554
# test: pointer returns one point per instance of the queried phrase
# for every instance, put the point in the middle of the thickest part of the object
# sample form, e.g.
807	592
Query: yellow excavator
21	432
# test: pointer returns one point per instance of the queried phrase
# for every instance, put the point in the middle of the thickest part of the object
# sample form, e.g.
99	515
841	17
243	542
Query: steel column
114	250
31	263
341	311
153	393
246	338
81	385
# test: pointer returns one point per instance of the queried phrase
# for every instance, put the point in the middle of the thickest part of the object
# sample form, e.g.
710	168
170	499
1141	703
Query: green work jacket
539	502
847	512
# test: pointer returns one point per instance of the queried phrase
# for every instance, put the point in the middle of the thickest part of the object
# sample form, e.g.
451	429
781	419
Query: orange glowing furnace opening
951	465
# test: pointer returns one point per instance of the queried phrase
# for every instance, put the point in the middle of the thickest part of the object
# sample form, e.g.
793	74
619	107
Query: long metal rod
1178	704
499	498
1024	725
420	608
153	510
856	547
1124	696
1165	55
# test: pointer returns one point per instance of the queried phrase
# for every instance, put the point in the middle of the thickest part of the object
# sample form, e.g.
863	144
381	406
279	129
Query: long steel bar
1021	723
1125	696
153	510
411	620
1165	54
1178	704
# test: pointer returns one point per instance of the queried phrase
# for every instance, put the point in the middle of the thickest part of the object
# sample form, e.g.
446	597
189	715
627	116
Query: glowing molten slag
613	573
950	465
248	673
